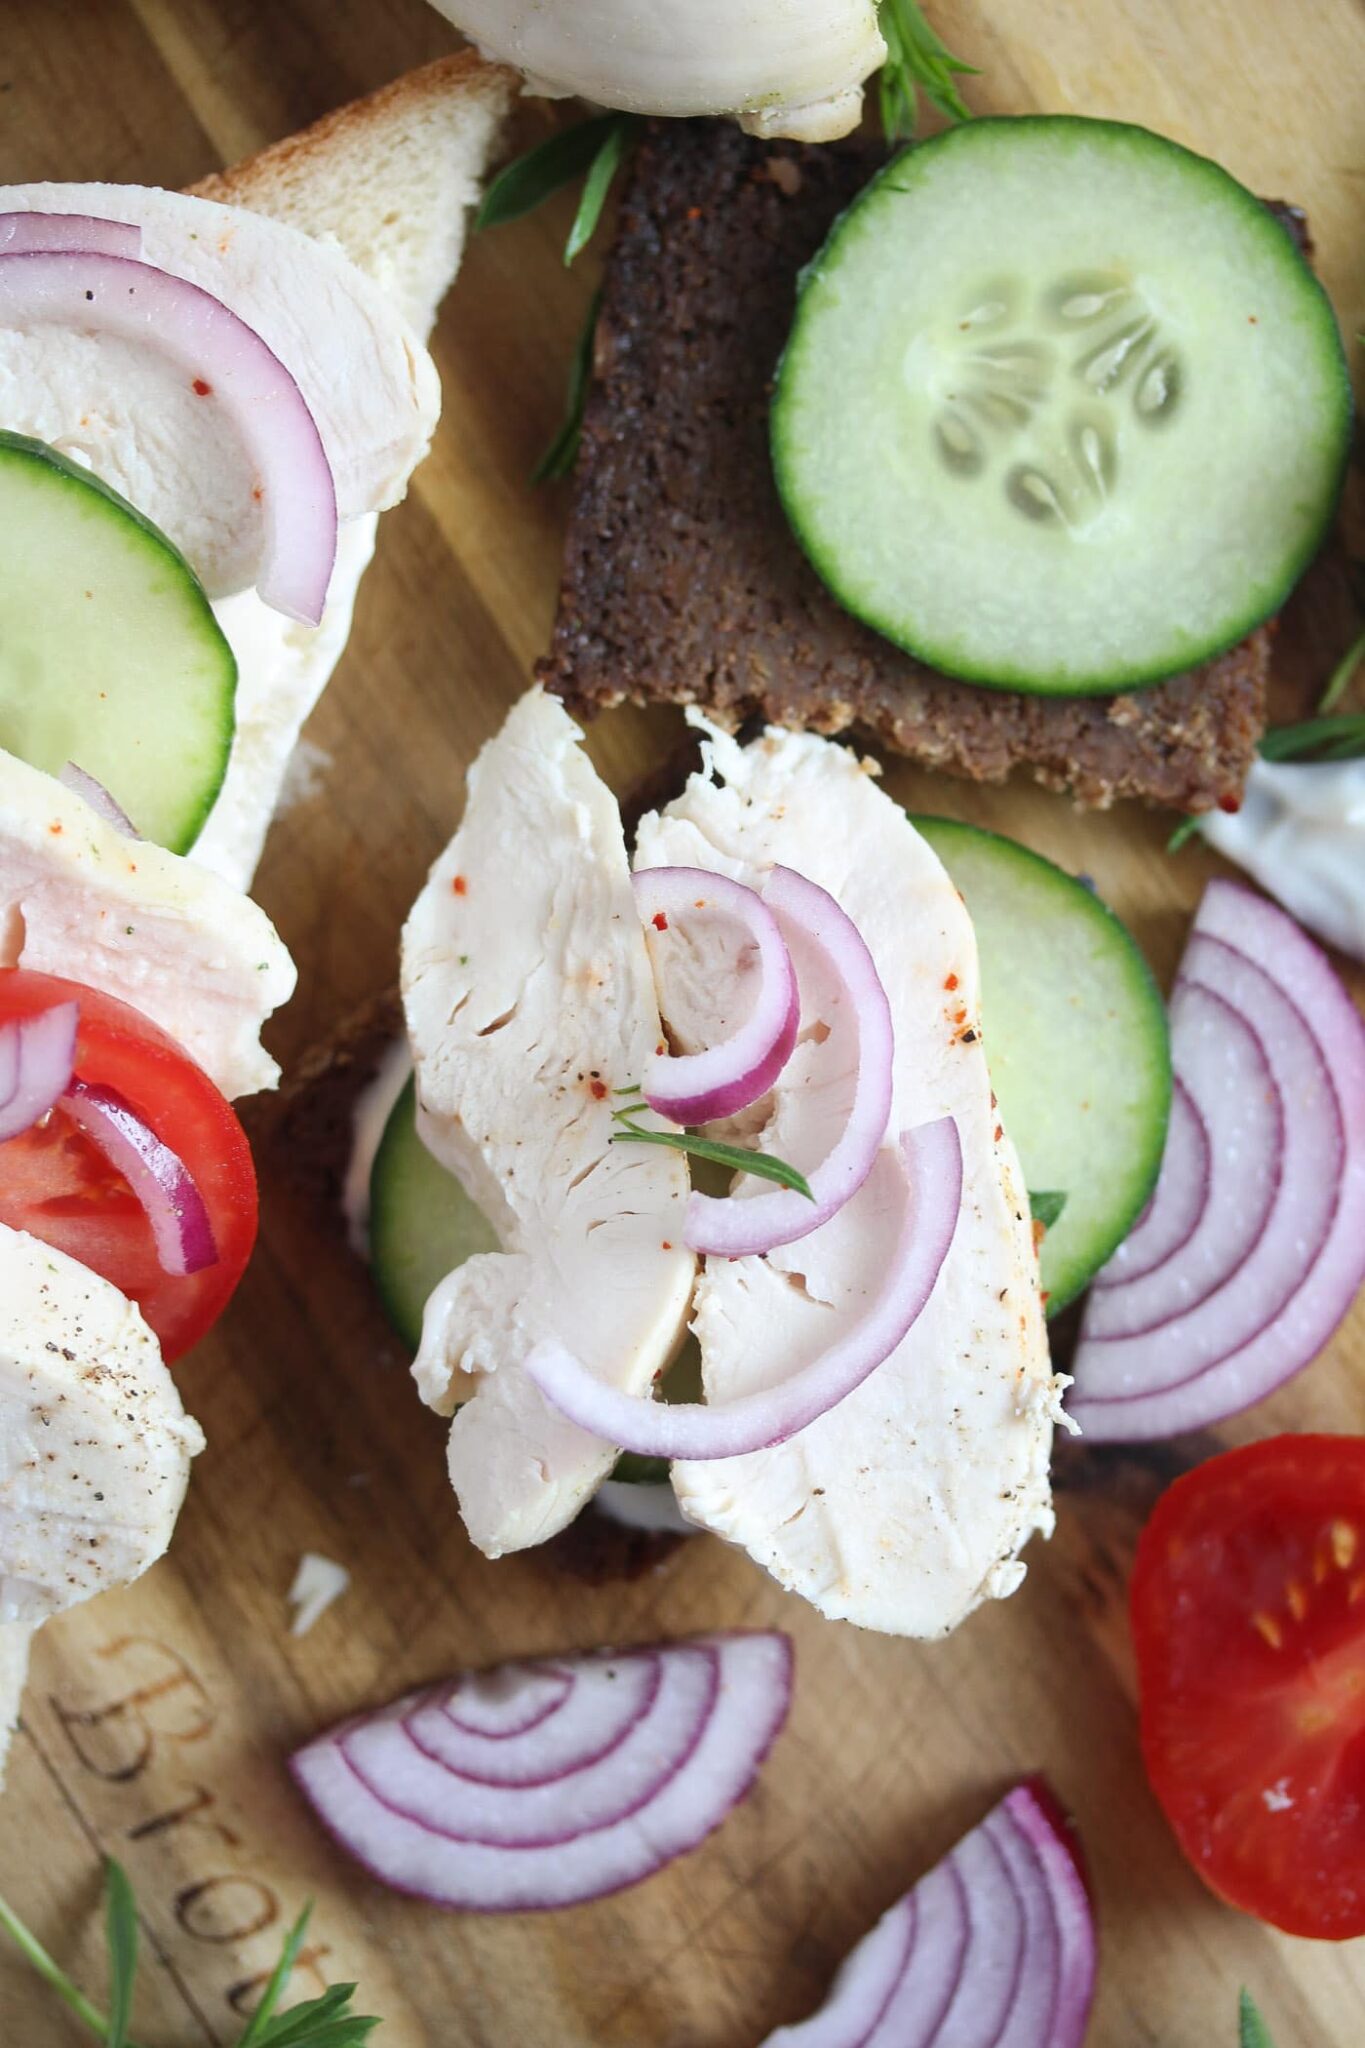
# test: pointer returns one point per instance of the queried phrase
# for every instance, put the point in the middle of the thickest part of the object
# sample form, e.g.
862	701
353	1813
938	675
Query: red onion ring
1226	1072
495	1711
597	1818
702	1087
97	796
735	1226
96	293
1280	1306
159	1178
591	1715
996	1946
20	232
612	1783
37	1055
927	1166
1178	1199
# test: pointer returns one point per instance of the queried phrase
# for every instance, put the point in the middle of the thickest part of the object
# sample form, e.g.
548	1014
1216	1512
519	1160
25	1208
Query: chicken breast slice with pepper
906	1505
529	1002
79	898
95	1446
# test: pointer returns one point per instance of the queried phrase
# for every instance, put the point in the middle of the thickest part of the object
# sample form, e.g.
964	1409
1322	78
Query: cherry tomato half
1248	1608
58	1186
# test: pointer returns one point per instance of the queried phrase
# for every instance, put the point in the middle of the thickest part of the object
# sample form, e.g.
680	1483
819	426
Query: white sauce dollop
1301	834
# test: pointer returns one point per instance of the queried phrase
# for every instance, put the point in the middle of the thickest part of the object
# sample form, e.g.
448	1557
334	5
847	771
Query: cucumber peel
1076	1041
110	654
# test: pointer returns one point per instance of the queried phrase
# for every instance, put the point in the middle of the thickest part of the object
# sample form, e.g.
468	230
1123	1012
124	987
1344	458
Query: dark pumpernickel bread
682	580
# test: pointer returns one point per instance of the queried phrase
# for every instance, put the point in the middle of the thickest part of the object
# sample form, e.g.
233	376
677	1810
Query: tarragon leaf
1252	2031
737	1157
120	1930
917	60
528	181
562	453
1340	737
279	1977
602	170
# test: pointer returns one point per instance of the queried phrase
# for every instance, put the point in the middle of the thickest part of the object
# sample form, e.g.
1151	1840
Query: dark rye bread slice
682	581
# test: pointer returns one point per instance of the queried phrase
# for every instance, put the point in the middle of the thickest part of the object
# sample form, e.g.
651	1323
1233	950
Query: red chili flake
598	1089
460	886
999	1132
56	828
959	1016
659	921
666	1246
951	982
661	1049
1045	1295
700	903
201	389
1039	1233
1231	804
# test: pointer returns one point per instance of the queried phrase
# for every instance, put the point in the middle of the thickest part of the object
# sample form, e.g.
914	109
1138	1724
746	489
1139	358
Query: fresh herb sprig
562	453
917	61
739	1158
325	2022
597	147
1252	2031
1340	736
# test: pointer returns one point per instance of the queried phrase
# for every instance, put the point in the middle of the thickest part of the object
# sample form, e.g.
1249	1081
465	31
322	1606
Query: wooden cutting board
157	1720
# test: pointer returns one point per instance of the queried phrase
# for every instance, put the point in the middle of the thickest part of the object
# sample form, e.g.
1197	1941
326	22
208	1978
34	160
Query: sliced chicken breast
906	1505
191	952
529	1002
95	1446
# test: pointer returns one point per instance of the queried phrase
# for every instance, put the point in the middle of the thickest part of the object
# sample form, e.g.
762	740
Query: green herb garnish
1342	673
1183	832
1340	737
597	147
325	2022
1046	1206
738	1158
562	453
603	168
1252	2031
917	61
529	180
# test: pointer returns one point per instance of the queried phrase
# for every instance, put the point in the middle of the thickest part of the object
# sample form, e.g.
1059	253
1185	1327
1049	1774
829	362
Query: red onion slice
159	1178
1279	1307
95	293
591	1715
611	1783
702	1087
721	1703
97	796
37	1055
927	1186
501	1705
1178	1199
995	1948
1227	1075
21	232
734	1226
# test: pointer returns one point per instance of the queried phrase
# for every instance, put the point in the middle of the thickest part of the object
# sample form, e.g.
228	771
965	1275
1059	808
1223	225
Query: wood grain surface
158	1719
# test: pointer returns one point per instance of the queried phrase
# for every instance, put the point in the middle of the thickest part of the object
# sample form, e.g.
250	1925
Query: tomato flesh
57	1185
1248	1608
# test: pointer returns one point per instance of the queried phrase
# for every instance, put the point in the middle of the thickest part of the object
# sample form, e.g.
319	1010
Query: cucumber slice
422	1223
110	655
1063	409
1076	1041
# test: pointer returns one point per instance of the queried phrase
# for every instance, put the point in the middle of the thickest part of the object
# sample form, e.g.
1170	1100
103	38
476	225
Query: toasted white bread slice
390	177
389	180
